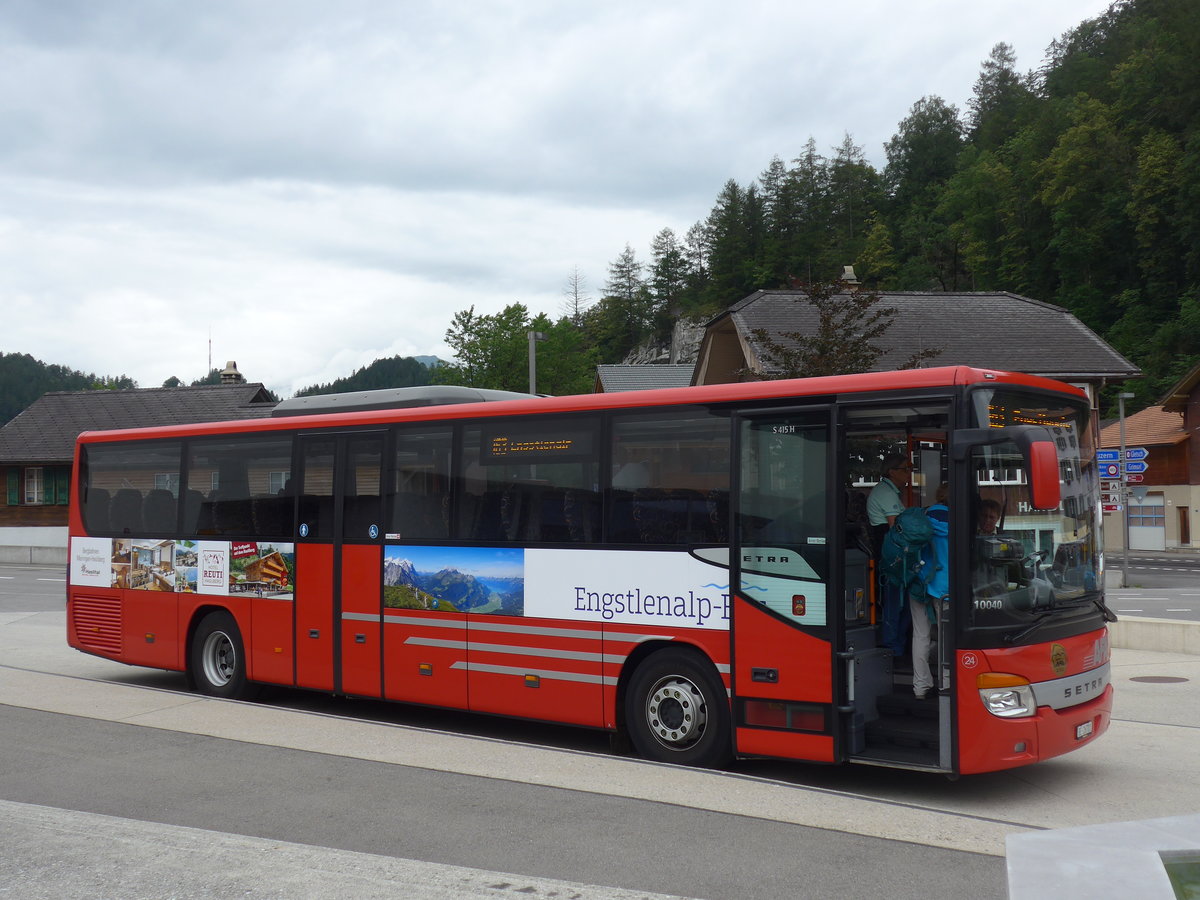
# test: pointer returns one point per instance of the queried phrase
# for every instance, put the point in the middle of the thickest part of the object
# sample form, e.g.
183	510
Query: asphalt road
1163	585
115	782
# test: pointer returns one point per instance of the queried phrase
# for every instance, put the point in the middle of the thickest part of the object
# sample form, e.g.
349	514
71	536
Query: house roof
1153	425
1176	398
610	378
990	330
45	432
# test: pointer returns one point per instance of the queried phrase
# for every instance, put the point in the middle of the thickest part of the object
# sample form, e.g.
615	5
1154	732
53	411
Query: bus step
903	731
905	704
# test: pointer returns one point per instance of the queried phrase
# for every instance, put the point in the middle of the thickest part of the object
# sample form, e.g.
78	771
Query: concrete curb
1162	635
33	556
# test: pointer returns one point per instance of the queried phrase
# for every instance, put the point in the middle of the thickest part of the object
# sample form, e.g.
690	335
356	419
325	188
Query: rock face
683	348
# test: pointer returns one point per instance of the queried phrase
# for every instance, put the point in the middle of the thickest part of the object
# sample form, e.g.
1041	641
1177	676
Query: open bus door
338	559
882	720
782	586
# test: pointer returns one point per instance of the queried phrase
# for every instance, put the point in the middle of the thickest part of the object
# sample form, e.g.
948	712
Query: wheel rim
676	713
219	659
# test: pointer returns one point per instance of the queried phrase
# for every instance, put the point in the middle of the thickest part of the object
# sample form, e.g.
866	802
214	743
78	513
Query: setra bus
687	568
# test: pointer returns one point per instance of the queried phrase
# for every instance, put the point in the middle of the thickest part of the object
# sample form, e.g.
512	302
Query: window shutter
62	486
14	486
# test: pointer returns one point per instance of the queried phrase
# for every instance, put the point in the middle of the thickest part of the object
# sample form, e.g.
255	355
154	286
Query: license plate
1083	731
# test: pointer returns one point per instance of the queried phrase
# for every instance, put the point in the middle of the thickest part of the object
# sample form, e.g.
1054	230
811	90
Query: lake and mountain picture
466	579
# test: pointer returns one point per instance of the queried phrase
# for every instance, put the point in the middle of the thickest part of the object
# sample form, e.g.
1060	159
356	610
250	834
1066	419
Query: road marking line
56	580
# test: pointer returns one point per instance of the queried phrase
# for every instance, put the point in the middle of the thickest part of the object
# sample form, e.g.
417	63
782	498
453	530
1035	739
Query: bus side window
531	481
670	478
421	484
229	489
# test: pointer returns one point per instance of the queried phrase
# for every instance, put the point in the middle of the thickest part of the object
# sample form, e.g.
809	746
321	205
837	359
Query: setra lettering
1086	687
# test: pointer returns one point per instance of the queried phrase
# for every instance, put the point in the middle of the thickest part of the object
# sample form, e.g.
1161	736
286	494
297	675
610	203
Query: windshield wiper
1108	614
1028	629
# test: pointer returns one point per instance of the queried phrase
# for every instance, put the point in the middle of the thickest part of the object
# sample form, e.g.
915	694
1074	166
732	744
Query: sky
304	187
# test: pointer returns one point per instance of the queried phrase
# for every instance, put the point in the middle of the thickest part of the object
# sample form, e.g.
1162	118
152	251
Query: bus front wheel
216	659
676	710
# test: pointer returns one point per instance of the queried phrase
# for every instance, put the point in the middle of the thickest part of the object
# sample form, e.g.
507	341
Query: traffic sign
1113	455
1135	479
1135	467
1110	470
1110	498
1112	507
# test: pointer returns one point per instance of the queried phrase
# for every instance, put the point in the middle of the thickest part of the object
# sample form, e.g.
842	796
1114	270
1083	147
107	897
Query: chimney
848	276
231	375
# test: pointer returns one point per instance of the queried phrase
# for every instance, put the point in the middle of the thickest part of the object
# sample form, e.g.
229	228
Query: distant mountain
399	572
23	379
460	590
405	587
392	372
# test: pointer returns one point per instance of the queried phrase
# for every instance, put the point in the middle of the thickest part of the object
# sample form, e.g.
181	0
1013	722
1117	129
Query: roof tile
46	430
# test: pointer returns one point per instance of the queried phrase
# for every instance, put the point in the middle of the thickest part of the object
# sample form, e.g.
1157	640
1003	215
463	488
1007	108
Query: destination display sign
517	444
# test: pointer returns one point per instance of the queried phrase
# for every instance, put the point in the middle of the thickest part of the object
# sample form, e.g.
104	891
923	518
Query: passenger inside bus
884	503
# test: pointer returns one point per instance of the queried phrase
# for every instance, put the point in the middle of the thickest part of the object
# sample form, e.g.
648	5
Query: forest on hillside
23	379
1076	183
390	372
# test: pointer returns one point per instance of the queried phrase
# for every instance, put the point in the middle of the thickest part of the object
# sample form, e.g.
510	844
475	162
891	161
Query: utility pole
534	337
1124	494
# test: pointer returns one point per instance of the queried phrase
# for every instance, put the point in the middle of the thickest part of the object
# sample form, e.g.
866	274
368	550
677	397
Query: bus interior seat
197	515
420	517
272	514
231	513
622	529
581	512
125	512
158	511
716	507
550	522
95	509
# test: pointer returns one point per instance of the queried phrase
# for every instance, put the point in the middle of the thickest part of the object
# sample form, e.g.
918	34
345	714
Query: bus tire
217	660
676	710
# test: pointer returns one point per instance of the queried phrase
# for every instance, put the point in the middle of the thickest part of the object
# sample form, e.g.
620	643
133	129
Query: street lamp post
534	337
1123	495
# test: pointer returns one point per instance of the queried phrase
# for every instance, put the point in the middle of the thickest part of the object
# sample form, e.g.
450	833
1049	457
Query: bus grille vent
97	623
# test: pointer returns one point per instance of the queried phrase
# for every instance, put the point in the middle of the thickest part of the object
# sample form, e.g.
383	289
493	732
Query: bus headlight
1007	696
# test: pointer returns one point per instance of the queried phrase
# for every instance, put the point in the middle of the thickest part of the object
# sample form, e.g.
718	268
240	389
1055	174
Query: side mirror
1044	488
1036	444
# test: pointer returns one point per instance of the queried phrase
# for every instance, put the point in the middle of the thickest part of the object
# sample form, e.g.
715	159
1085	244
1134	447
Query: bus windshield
1029	566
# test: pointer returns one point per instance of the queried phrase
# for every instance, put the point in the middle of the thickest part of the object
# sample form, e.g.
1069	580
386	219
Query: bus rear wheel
217	660
676	710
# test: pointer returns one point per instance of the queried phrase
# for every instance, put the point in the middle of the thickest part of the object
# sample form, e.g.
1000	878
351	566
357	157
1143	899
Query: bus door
339	563
784	617
883	721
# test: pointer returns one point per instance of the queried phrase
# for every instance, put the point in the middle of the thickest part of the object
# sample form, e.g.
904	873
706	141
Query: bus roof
737	392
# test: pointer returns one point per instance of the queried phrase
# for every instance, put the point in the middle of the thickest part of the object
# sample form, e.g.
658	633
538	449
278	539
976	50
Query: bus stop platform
1153	858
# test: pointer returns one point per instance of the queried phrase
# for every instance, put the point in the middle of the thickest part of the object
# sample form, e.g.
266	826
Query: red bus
688	568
